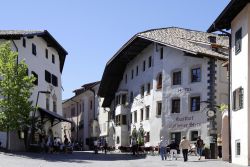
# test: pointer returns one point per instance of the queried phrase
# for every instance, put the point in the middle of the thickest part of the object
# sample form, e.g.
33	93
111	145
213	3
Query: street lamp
34	114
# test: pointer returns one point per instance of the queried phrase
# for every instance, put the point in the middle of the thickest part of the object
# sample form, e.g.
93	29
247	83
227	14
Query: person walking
134	145
185	145
199	145
163	149
173	149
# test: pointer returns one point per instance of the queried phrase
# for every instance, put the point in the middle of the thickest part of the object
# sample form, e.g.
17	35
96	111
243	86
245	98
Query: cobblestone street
89	159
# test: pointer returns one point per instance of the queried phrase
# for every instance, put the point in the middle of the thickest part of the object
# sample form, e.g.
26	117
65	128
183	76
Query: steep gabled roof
224	20
51	41
186	40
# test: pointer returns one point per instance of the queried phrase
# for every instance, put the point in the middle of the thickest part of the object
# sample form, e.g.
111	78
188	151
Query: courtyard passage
88	159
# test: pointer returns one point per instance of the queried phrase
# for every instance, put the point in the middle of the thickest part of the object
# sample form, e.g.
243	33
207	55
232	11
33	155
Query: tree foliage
15	90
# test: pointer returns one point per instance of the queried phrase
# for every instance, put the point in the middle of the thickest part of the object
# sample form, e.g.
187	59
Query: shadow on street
79	157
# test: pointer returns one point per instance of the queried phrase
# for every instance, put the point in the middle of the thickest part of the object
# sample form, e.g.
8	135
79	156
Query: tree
15	91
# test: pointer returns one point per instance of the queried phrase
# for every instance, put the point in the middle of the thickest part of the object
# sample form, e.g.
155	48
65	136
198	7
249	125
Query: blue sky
93	30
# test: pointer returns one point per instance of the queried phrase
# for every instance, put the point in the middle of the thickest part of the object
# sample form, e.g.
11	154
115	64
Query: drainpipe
229	90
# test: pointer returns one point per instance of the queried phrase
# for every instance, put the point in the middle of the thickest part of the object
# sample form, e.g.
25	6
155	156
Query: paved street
88	159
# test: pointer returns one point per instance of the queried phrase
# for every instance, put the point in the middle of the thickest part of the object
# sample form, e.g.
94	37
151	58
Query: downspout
229	90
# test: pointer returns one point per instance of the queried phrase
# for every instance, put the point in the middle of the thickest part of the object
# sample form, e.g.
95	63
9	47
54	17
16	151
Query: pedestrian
199	146
163	149
173	149
96	146
105	146
185	145
134	146
219	144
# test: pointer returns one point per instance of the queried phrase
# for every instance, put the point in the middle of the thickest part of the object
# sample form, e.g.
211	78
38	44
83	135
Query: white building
236	16
157	81
45	59
82	109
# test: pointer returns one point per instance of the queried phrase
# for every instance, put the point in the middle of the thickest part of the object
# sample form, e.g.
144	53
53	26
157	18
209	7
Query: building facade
157	81
236	16
45	59
82	109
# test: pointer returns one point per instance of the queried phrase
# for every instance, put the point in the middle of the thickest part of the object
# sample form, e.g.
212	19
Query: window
196	75
46	53
141	114
124	99
238	37
24	42
131	97
73	111
126	78
47	76
159	108
148	88
54	80
159	81
47	103
195	103
144	66
212	39
194	135
161	53
238	99
142	91
149	61
124	119
53	59
135	116
34	49
35	82
54	106
137	70
147	113
132	74
91	104
175	105
237	149
177	78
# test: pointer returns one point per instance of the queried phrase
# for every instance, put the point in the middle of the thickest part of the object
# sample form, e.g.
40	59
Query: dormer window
212	39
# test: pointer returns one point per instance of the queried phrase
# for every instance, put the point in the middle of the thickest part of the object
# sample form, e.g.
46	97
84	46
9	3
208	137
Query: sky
92	31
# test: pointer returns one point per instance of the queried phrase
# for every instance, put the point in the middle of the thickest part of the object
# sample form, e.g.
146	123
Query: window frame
159	81
158	108
34	49
194	77
194	98
173	106
177	78
238	41
147	115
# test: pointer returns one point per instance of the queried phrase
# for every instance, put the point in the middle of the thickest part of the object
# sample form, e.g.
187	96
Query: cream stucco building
236	16
45	58
159	79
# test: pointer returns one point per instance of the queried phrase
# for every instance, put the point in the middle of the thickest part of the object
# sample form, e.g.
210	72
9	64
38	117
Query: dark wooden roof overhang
51	42
224	20
53	116
115	68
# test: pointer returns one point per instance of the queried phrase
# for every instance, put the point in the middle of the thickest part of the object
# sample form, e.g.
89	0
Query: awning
52	115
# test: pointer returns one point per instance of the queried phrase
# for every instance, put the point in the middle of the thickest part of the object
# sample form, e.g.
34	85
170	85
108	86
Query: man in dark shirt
199	145
173	149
